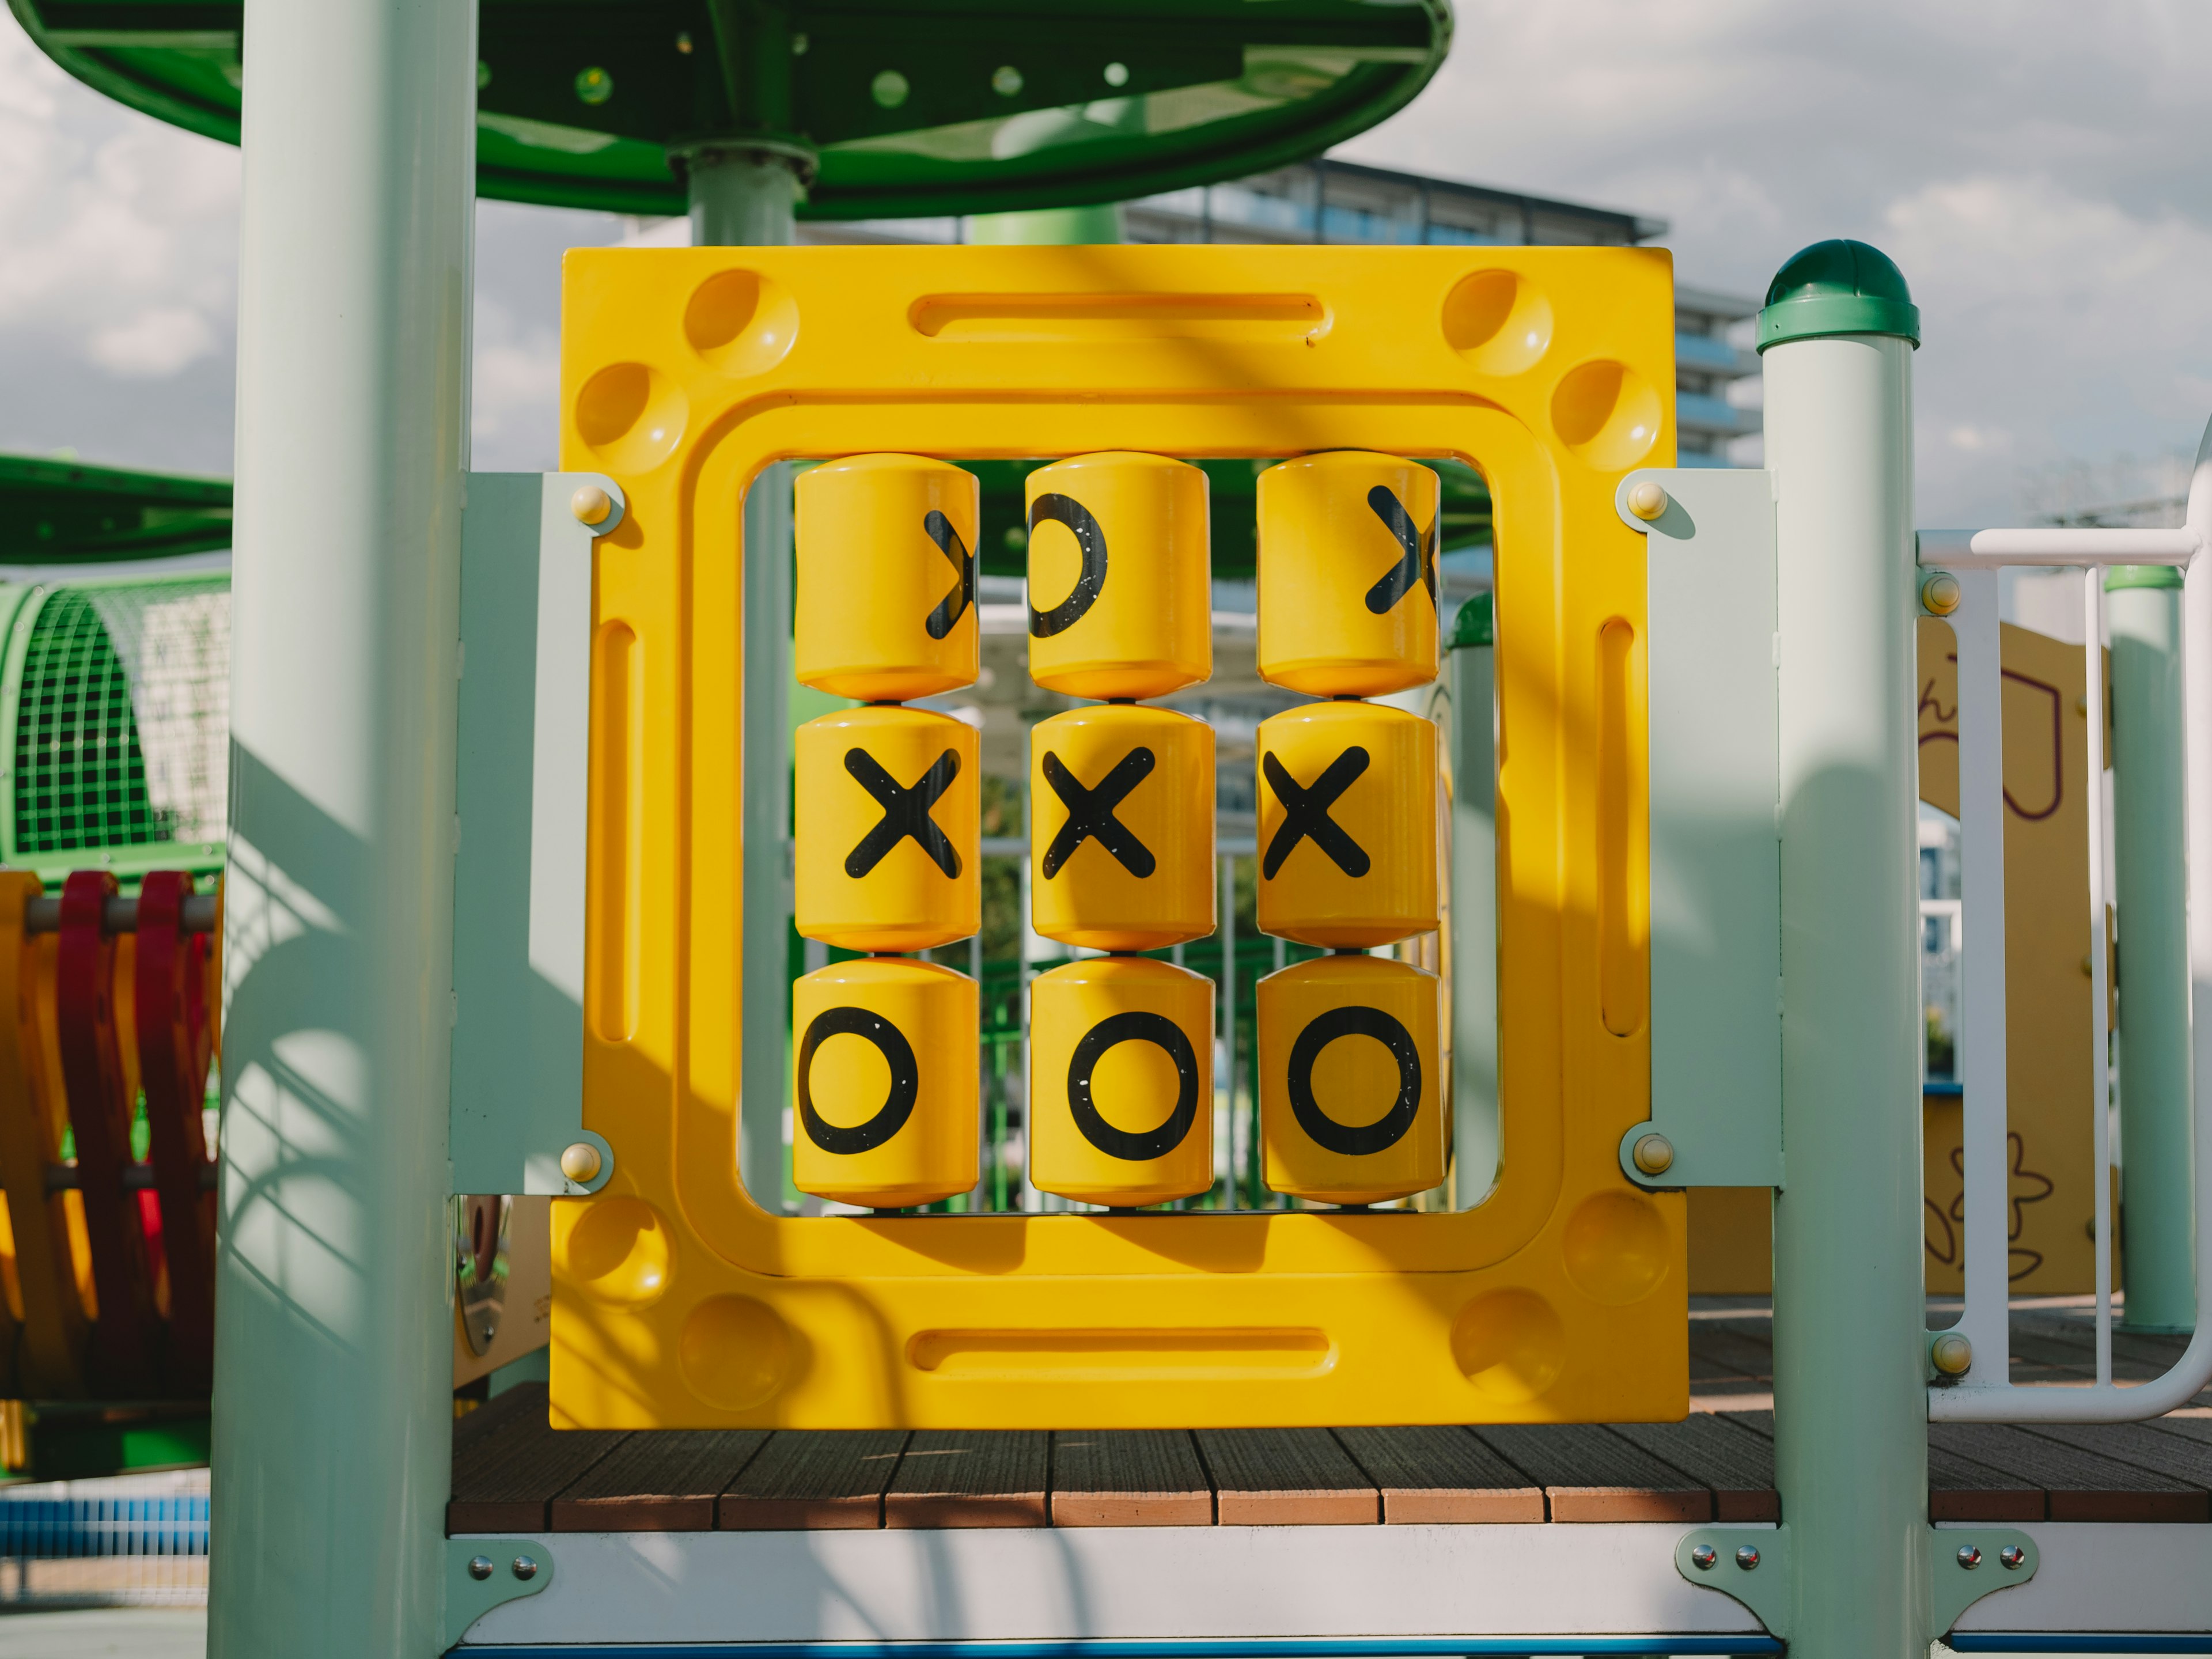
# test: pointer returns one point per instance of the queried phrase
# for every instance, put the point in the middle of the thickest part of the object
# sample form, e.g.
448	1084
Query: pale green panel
518	1064
1716	854
1471	673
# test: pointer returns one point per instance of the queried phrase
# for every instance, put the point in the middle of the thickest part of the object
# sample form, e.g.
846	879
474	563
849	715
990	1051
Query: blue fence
66	1528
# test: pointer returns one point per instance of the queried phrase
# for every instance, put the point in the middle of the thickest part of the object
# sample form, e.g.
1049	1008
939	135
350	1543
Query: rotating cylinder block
886	607
1347	841
1122	828
1348	573
1120	1082
885	1084
1349	1080
887	828
1121	576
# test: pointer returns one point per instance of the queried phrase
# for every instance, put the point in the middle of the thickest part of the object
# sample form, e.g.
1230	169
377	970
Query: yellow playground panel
680	1303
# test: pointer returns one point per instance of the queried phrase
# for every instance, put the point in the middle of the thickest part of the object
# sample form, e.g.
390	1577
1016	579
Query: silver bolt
2014	1556
1702	1556
1969	1557
1746	1556
480	1567
525	1568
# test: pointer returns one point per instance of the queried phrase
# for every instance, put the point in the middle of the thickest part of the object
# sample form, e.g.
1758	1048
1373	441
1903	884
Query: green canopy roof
914	107
63	511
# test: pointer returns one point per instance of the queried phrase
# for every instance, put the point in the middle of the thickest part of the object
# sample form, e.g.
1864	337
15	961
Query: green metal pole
743	196
333	1410
2150	867
1849	1313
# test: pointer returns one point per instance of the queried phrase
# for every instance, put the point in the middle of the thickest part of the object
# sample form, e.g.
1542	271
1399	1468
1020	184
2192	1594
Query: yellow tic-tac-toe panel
680	1301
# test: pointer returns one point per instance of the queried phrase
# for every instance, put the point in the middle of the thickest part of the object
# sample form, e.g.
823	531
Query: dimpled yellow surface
677	1301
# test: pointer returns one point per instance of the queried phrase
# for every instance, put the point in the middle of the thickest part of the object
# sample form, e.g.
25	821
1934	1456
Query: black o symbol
1388	1130
1135	1027
906	1081
1054	508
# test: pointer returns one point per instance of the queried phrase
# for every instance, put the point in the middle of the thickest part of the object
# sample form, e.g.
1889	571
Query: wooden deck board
1286	1478
1441	1475
1736	1464
813	1481
2179	1457
506	1479
972	1478
664	1482
1129	1478
2082	1485
1590	1473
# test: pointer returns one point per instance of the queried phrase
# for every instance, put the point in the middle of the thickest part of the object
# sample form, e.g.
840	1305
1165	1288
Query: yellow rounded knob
1653	1154
592	505
1940	593
1647	501
580	1162
1951	1353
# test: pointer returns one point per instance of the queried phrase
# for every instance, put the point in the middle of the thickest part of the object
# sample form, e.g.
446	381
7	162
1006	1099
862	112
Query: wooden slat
813	1481
659	1480
2179	1457
1960	1489
1441	1475
1129	1478
1734	1463
2081	1485
519	1406
1590	1474
1286	1478
972	1479
511	1476
1718	1346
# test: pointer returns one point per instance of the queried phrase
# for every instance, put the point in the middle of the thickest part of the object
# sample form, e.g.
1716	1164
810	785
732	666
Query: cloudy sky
2034	168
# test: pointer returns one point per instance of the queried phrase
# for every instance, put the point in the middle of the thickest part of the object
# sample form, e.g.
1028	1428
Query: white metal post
332	1410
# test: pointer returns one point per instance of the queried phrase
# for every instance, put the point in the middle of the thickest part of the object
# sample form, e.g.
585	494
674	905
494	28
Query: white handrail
1986	1394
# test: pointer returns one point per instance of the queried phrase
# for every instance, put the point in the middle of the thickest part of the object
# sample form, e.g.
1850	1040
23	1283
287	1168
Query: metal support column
2151	871
743	196
1851	1441
1472	670
332	1413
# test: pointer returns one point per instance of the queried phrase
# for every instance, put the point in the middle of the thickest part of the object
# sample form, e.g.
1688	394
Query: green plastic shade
912	107
1837	287
60	512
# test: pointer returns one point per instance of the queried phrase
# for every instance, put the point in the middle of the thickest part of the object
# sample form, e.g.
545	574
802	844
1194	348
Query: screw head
1006	80
1702	1556
1951	1353
1647	501
2014	1556
594	85
590	505
1653	1154
1940	593
1746	1556
480	1567
580	1162
1969	1557
525	1568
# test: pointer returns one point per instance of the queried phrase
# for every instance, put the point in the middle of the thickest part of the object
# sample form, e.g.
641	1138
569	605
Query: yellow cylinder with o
1122	828
1348	573
884	1083
1119	577
1347	835
886	602
886	822
1351	1106
1121	1099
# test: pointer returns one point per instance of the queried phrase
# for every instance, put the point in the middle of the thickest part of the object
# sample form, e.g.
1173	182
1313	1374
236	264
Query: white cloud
154	344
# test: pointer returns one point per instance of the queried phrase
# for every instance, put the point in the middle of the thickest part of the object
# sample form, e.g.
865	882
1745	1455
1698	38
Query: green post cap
1837	287
2141	575
1472	625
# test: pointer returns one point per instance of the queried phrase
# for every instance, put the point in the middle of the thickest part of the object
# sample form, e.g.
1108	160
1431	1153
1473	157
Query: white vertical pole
1228	907
332	1407
2100	1080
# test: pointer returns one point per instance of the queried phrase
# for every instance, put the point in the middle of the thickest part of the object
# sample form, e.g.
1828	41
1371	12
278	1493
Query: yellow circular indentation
1616	1247
734	1351
741	323
619	1253
580	1162
1499	321
631	416
1607	413
1510	1344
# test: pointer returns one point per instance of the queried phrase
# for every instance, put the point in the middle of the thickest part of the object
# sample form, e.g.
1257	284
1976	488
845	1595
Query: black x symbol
953	605
906	812
1417	558
1305	813
1090	813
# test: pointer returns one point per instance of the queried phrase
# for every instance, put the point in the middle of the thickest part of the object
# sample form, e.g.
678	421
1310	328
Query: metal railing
1976	558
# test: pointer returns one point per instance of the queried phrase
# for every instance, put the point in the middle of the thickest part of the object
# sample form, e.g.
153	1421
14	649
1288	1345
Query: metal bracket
483	1573
1751	1564
517	1074
1714	734
1967	1563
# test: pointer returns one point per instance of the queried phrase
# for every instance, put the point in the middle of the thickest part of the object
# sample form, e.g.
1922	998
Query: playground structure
1704	782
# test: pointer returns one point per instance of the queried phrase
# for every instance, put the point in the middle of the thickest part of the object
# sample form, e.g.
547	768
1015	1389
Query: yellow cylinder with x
1122	828
887	822
1348	573
1347	840
886	603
